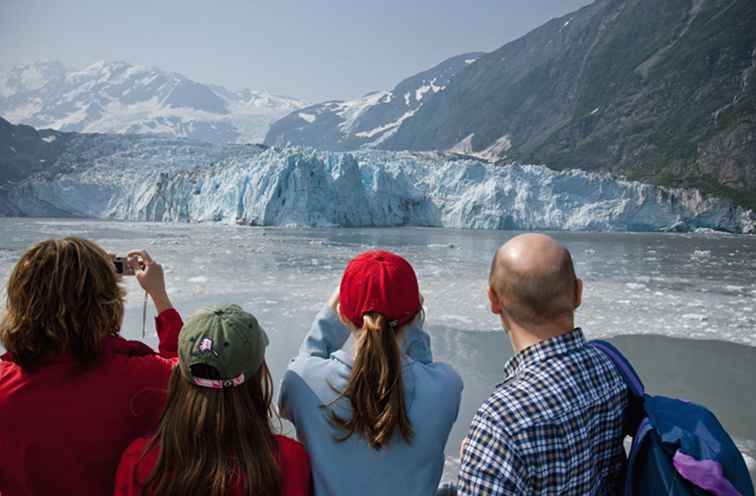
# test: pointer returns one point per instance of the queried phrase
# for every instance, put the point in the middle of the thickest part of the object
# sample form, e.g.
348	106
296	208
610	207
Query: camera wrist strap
144	316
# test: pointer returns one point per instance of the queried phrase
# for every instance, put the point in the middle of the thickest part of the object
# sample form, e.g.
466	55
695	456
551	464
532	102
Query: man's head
532	282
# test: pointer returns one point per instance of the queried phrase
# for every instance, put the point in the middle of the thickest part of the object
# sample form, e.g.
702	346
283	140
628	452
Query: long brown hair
62	296
375	388
213	439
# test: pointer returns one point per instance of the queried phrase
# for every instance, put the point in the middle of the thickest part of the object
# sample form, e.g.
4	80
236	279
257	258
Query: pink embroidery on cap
206	344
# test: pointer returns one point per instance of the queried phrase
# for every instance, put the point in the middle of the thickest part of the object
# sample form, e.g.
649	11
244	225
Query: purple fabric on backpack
706	474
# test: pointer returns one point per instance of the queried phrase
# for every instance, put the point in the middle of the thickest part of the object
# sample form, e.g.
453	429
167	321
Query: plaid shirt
554	426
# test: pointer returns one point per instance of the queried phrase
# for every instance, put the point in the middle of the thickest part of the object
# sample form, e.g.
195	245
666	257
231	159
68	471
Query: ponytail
375	388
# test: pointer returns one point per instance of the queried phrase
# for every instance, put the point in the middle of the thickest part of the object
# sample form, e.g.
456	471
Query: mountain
368	121
662	92
24	151
117	97
138	177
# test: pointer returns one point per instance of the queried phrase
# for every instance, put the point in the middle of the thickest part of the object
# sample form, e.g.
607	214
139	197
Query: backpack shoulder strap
634	414
628	373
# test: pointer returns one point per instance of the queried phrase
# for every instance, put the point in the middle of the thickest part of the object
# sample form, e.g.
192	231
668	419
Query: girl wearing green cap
215	436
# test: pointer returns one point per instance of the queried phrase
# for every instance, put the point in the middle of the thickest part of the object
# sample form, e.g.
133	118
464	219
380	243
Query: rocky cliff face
369	121
663	92
25	151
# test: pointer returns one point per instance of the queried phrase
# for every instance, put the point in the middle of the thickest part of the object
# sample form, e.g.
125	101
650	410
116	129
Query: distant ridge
118	97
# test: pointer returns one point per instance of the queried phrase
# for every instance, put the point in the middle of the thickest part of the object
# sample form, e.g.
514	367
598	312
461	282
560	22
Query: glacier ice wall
153	181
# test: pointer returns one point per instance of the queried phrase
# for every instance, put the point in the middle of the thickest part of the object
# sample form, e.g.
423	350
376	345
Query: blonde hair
375	389
63	296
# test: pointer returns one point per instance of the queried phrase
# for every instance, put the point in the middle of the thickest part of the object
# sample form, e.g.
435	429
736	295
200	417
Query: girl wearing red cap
374	418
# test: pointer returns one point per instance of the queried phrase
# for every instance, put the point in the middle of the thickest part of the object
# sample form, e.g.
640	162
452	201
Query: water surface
680	306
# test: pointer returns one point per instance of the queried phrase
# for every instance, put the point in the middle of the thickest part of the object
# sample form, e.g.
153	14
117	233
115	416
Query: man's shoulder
546	392
507	410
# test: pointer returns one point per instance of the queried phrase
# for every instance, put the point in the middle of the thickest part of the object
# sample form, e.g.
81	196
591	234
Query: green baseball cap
226	338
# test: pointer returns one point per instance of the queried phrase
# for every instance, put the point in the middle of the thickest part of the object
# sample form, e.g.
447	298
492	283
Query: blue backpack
679	448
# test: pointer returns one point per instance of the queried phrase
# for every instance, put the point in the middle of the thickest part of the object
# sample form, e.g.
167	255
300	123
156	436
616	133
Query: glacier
139	178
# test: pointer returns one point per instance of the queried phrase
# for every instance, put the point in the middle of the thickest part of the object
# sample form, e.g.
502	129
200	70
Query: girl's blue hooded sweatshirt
311	388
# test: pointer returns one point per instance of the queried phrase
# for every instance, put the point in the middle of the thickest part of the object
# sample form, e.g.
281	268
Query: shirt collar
543	350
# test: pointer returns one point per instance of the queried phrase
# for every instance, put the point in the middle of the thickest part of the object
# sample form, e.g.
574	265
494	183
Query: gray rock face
369	121
116	97
24	151
662	92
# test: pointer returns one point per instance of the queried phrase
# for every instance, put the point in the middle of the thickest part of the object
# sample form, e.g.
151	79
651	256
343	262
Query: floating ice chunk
197	279
695	316
701	254
635	285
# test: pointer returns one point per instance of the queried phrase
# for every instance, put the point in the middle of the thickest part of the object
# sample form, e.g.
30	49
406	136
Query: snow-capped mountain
662	92
368	121
117	97
152	179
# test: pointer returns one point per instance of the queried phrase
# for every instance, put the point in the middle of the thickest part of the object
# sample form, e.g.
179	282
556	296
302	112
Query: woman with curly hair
73	392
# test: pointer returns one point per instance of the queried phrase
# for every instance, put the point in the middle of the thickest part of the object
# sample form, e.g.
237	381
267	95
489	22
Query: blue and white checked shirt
553	427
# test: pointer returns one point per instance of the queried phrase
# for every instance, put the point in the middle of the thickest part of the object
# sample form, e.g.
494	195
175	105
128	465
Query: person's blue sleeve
285	394
327	334
416	342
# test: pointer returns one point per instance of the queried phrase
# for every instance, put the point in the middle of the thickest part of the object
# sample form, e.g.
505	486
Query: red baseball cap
381	282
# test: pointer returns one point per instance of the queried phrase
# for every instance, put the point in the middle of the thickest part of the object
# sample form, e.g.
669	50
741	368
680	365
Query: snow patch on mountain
309	118
391	126
136	178
496	151
431	86
351	110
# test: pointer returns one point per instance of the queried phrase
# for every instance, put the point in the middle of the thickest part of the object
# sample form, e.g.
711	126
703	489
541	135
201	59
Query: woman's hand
150	276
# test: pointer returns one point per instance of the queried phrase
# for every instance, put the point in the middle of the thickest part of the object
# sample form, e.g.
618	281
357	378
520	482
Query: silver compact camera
122	266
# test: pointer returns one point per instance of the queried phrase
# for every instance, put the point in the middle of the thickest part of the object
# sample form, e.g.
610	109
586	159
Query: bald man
554	425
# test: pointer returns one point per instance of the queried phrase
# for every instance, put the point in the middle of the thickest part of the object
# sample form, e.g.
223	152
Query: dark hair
212	439
535	297
62	296
375	388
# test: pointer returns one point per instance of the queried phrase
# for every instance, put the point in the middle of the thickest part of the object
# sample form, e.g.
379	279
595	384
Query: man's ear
493	299
578	292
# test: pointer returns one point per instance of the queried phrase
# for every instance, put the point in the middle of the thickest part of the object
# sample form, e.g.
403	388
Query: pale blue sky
307	49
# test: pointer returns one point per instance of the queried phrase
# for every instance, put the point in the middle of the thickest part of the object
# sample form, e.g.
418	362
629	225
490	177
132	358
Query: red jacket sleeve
125	482
295	468
148	374
168	325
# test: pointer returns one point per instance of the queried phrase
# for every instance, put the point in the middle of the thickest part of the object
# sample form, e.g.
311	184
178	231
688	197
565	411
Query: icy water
680	306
